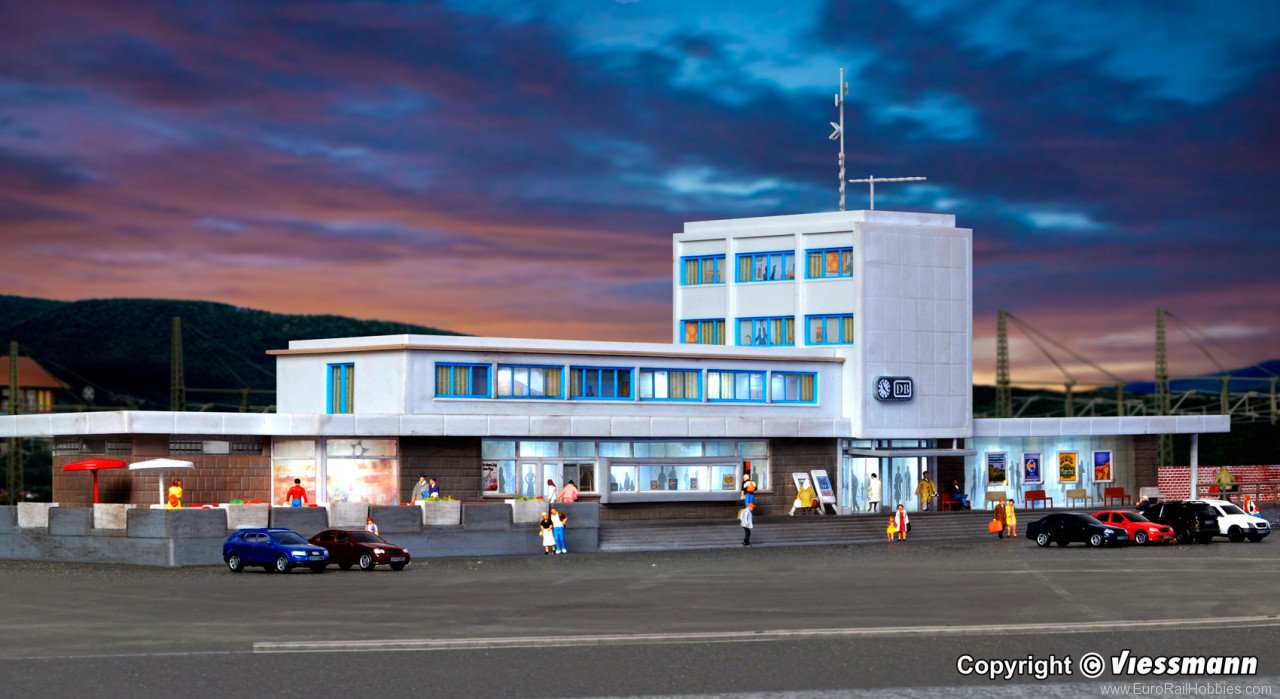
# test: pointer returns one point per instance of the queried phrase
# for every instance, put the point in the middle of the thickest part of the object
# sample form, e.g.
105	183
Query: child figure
892	529
370	526
548	537
1011	519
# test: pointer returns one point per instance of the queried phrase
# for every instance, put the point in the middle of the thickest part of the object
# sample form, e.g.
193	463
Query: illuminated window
341	388
767	267
829	263
767	331
704	269
703	332
829	329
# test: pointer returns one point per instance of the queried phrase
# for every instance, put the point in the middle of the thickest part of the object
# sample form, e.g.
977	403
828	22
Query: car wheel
1182	536
1140	537
1063	542
234	563
283	565
1205	539
366	561
1255	538
1042	539
1235	534
1095	540
318	568
398	566
345	566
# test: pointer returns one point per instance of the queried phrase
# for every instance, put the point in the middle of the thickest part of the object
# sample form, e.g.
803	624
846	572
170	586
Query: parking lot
732	621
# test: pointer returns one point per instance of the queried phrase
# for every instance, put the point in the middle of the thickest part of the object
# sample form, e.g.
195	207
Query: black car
1191	521
1064	528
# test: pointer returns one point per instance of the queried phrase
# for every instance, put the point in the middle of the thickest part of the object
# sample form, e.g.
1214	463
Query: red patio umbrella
93	466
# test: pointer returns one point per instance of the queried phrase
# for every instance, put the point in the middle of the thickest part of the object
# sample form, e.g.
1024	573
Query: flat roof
1100	426
828	222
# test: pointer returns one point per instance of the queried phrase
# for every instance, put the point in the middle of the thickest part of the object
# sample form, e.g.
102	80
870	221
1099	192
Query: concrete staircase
801	530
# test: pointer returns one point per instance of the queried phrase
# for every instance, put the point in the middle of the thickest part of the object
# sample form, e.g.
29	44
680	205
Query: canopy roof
93	465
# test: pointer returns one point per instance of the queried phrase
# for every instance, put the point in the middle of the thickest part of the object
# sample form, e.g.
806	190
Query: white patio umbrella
159	467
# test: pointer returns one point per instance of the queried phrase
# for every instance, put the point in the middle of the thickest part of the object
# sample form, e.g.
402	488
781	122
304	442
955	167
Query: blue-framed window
530	381
828	263
599	383
702	269
738	386
833	329
767	266
763	332
462	380
793	387
341	388
707	331
671	384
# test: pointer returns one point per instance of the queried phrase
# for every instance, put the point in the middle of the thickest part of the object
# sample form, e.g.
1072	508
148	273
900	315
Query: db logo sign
892	388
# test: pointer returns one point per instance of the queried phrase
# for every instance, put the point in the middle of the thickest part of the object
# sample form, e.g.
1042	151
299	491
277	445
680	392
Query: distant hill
1262	370
122	345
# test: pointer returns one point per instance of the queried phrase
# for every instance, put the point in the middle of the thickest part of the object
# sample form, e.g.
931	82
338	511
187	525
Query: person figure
874	489
549	492
433	490
747	519
297	495
419	489
1226	483
370	526
925	490
174	501
958	495
1002	517
902	522
569	493
1011	519
805	498
557	530
548	536
1251	507
1143	504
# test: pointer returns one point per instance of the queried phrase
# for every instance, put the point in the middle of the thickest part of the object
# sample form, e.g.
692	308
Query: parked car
362	548
1065	527
1238	525
1192	520
1140	529
277	550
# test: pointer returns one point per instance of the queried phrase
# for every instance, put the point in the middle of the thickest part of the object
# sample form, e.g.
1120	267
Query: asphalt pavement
888	619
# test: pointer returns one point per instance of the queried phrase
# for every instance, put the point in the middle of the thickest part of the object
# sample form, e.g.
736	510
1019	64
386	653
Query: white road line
427	644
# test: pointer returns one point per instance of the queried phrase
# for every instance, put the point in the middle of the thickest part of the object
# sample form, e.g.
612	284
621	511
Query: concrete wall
301	382
1123	470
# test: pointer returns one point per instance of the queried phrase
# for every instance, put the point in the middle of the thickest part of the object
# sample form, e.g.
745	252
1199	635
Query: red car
348	547
1140	529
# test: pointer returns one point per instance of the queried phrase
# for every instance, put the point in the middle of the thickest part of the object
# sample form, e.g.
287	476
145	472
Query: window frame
718	263
783	375
764	386
563	375
752	319
489	380
699	322
838	317
783	254
346	385
639	386
631	382
823	267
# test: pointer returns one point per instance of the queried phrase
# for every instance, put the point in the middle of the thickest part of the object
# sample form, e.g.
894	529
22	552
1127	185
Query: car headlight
298	553
379	551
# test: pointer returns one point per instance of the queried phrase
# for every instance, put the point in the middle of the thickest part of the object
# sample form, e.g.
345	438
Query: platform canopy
93	466
160	467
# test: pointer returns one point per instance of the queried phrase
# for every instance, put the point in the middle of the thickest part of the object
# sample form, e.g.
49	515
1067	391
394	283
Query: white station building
836	342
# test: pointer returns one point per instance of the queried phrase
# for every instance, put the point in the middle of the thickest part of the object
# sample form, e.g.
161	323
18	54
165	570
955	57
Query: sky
518	168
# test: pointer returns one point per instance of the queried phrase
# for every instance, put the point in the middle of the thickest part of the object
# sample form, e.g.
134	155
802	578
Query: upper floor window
702	269
703	332
520	381
670	384
462	380
735	385
590	382
792	387
829	262
766	266
836	329
341	389
767	331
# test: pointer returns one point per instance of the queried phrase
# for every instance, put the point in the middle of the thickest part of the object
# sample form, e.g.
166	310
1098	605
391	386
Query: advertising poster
1102	467
1031	468
1067	462
997	467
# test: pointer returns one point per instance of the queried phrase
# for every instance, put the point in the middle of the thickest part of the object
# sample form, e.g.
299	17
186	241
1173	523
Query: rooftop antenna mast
873	180
838	135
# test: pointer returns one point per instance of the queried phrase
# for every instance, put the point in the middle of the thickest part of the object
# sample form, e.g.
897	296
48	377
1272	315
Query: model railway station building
834	341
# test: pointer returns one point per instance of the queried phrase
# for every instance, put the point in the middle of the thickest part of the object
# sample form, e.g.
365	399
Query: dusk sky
517	168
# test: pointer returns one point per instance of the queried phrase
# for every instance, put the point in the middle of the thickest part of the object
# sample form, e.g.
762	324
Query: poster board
997	467
1068	461
1102	471
826	492
1032	467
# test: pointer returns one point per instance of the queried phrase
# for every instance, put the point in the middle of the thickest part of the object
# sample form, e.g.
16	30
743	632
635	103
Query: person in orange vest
175	496
297	495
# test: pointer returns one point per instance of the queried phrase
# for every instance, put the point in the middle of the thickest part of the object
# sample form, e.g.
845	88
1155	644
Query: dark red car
348	547
1141	530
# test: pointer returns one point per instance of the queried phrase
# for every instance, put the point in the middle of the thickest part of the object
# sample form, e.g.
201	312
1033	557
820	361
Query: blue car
277	550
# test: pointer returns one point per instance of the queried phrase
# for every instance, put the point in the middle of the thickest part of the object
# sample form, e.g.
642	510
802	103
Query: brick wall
453	461
1175	481
1145	458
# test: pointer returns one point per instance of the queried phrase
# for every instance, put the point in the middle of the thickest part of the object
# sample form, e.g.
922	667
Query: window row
830	329
601	383
820	263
